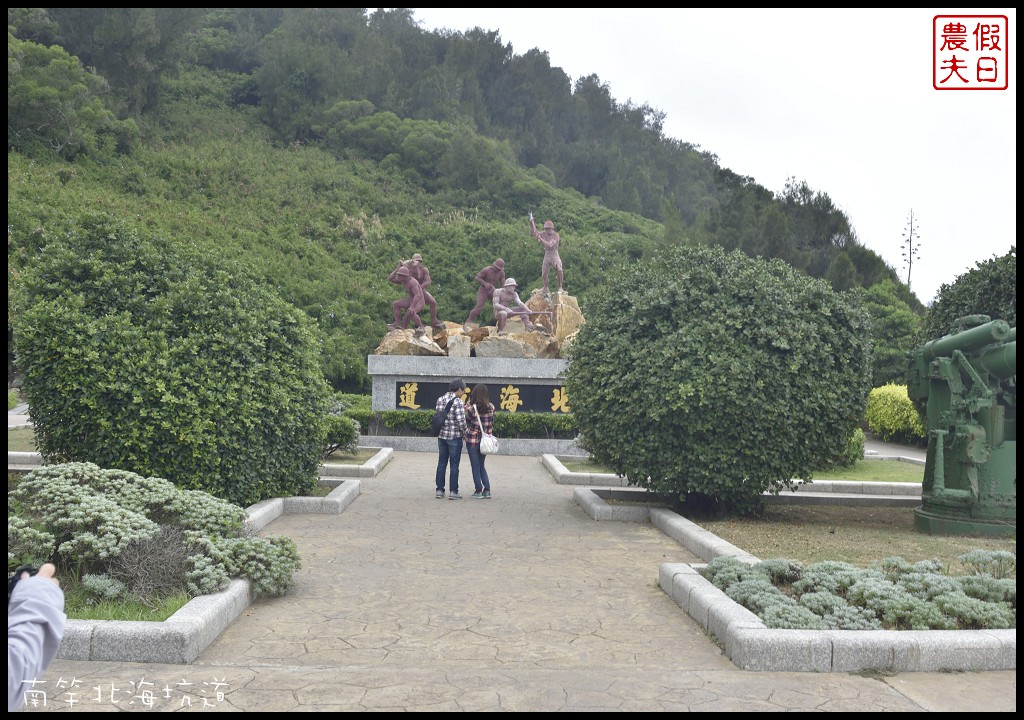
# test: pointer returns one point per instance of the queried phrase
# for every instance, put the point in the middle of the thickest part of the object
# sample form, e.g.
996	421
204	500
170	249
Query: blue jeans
476	461
448	452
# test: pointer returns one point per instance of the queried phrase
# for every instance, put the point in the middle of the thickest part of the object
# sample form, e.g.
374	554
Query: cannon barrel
1000	361
967	341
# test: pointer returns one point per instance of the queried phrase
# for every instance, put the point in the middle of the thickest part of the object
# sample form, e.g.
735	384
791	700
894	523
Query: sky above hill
841	99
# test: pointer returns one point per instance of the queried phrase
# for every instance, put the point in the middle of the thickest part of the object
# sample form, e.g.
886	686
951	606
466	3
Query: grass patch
21	439
79	606
585	466
857	535
871	470
321	491
342	458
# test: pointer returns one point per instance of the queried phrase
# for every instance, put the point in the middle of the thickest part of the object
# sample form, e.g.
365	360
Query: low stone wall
509	446
387	370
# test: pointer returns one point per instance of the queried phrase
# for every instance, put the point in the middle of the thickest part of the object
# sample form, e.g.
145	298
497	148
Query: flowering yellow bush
891	415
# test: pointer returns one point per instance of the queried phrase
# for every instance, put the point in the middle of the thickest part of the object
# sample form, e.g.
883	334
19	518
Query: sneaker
439	494
454	496
477	494
486	494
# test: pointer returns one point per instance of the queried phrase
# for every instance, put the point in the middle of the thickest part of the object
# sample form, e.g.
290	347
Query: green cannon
969	381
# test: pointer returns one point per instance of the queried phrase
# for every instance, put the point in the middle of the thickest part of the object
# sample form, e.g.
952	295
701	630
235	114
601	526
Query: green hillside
321	147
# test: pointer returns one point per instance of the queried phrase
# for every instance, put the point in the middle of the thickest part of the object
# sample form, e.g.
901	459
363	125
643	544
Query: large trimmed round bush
140	356
713	376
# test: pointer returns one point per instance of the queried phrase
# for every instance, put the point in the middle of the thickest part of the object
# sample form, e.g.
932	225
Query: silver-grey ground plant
123	534
895	594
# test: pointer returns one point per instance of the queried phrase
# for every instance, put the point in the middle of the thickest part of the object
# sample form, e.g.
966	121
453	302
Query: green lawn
21	439
80	606
871	470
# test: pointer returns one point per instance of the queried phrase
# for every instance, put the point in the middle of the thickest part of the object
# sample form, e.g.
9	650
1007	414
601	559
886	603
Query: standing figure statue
490	278
419	271
549	239
412	303
507	303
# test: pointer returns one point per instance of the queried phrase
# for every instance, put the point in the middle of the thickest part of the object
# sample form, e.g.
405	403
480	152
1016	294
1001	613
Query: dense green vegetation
990	288
318	147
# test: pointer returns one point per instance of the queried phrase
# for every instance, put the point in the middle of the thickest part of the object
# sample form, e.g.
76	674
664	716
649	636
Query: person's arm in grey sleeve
35	627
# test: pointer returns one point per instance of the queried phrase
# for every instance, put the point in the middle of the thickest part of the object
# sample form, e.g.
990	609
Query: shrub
27	544
103	524
992	563
103	587
723	571
833	576
342	430
898	595
973	614
12	400
990	288
1003	590
851	618
822	602
506	424
715	377
894	330
788	616
757	593
850	454
780	571
891	415
139	356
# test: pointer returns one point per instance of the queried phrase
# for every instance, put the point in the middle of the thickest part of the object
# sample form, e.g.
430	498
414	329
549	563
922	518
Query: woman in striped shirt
479	419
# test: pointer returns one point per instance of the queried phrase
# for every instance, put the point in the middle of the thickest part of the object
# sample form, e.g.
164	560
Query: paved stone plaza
518	603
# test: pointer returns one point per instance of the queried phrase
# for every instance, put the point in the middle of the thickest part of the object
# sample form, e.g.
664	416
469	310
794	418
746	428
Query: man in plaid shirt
449	442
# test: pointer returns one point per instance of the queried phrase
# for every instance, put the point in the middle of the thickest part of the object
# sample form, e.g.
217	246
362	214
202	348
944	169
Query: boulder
558	317
408	342
563	316
459	345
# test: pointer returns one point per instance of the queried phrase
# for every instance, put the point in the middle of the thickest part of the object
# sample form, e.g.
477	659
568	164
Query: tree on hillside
139	356
713	377
911	245
894	330
54	105
131	47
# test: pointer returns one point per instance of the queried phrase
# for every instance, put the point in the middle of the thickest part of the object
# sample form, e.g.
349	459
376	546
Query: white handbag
488	443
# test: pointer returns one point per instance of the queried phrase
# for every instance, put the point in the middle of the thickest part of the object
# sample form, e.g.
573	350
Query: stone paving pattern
518	603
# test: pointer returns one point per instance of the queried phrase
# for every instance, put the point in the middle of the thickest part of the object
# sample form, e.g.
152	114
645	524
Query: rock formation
558	315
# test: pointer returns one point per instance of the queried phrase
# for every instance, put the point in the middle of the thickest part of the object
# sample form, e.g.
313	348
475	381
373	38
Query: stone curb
564	477
593	501
184	635
368	469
